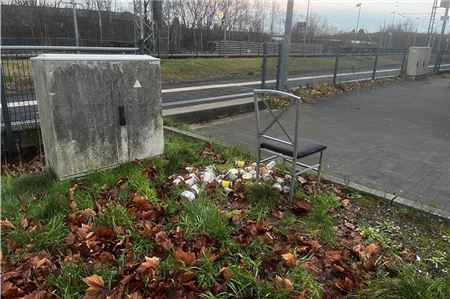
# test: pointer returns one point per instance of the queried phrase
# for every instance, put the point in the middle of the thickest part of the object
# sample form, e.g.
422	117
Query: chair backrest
258	96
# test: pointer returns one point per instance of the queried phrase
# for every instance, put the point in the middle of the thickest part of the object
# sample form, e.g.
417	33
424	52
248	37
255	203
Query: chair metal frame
258	94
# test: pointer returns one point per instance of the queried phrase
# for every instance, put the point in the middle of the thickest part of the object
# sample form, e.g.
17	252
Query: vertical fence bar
6	119
280	45
336	65
264	66
403	68
375	63
258	49
240	48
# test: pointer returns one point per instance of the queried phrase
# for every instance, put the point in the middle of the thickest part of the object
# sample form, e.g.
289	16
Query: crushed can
277	187
271	164
192	180
178	180
228	192
189	195
232	174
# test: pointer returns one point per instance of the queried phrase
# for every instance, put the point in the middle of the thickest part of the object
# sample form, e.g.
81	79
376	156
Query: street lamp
357	23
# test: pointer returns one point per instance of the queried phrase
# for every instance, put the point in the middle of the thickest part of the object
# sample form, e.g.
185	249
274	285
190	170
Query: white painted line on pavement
211	86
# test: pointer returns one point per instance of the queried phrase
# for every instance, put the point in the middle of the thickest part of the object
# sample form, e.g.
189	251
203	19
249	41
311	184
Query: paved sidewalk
394	138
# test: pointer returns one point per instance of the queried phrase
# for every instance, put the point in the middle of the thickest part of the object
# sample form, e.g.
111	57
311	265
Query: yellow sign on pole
221	15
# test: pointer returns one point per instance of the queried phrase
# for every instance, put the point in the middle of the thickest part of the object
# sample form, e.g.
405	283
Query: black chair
292	149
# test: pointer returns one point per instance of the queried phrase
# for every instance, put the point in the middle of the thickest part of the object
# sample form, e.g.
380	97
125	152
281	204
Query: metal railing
18	101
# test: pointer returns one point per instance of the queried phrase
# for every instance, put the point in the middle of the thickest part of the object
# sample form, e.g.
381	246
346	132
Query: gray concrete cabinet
98	111
418	61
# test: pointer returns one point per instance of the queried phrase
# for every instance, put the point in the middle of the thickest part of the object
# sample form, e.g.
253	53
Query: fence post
263	66
240	48
437	66
280	45
5	116
375	63
336	65
258	49
403	68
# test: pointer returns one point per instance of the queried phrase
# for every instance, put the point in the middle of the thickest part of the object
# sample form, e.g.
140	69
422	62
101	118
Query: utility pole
415	33
391	31
75	22
430	30
357	24
286	45
446	4
306	26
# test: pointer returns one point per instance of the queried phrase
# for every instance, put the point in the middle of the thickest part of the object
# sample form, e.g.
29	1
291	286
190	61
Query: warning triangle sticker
137	84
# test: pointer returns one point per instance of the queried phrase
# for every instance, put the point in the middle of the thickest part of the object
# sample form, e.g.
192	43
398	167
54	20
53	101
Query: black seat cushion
305	148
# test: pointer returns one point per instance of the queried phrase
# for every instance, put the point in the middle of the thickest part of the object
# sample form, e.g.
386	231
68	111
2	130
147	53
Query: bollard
336	65
374	73
263	66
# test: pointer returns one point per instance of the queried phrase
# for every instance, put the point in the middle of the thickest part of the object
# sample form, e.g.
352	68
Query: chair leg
318	171
293	179
258	162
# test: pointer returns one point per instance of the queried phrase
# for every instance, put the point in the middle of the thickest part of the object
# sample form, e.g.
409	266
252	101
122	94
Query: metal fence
18	101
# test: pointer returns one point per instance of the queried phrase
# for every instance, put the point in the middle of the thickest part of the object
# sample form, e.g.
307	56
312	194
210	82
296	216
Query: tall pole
75	22
415	33
391	31
286	45
306	28
382	39
444	23
225	30
430	30
357	23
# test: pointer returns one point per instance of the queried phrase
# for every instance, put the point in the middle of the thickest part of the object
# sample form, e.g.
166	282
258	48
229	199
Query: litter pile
232	179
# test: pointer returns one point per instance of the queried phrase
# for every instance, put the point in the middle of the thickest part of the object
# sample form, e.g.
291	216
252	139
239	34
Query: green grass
319	216
202	216
303	281
408	285
114	216
263	198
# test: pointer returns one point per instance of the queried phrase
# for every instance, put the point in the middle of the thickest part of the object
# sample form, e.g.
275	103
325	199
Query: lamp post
357	23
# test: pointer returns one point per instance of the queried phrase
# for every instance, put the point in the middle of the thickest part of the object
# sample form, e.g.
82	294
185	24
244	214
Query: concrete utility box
418	61
98	111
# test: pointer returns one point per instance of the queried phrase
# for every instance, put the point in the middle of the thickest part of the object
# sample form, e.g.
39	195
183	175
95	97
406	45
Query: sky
343	13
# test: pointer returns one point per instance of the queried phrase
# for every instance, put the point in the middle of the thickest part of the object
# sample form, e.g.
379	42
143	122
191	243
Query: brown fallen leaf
344	284
186	276
334	255
226	273
302	206
289	259
284	283
186	258
96	287
24	223
7	224
150	265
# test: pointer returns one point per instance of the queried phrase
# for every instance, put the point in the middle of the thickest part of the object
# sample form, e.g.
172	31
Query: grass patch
202	216
408	285
263	198
319	217
114	216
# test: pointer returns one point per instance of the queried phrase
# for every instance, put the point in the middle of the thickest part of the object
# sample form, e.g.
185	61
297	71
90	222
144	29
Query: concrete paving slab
394	138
